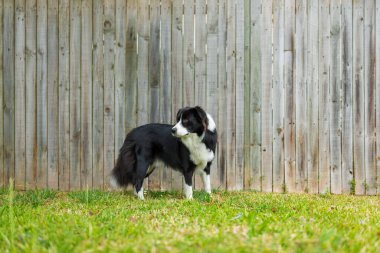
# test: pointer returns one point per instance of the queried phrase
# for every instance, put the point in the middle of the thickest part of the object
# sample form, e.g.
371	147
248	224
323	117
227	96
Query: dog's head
190	120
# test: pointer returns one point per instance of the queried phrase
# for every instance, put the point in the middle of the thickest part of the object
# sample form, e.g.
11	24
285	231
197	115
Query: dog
188	147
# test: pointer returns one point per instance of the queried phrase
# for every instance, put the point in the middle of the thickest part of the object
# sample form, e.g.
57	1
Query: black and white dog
189	146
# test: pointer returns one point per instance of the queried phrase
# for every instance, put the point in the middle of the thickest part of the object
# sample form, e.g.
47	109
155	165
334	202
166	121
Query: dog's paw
140	194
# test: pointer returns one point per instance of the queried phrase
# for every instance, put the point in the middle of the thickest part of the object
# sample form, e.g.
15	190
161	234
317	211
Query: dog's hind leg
138	188
141	170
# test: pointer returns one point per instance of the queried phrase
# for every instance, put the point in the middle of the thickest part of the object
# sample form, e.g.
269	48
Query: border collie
188	147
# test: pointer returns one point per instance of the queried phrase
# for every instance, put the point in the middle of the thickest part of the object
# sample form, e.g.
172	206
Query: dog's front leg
206	182
139	194
188	186
188	190
206	178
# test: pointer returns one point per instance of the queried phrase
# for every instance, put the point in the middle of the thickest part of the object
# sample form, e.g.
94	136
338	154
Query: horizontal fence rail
293	86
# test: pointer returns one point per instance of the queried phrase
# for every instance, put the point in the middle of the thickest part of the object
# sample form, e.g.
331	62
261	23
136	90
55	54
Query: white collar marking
200	155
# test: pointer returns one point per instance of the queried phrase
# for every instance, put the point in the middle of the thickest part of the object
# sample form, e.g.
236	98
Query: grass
97	221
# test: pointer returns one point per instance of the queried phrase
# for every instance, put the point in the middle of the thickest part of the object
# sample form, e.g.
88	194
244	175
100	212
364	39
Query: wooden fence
293	86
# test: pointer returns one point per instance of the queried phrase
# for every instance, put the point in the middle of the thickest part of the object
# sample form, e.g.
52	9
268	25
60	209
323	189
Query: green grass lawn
96	221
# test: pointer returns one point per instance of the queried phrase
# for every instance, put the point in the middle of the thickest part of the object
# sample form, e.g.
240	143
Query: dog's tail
123	173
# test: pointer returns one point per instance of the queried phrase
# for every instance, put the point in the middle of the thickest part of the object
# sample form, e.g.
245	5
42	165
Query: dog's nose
174	130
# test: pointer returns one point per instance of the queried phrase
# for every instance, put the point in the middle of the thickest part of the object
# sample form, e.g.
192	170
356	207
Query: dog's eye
185	121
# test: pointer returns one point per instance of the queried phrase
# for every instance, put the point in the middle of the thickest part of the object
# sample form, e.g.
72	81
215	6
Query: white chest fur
200	155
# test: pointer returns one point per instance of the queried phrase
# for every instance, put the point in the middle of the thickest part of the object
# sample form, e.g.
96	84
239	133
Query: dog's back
147	143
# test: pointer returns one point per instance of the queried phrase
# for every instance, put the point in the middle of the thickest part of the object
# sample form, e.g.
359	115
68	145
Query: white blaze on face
181	130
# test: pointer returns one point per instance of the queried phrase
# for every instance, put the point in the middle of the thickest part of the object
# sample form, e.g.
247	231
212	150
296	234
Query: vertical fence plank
120	67
2	178
188	54
239	119
86	95
64	94
177	74
75	99
247	92
200	87
334	104
42	93
347	84
278	96
109	88
324	73
266	116
8	95
154	64
30	93
255	97
222	94
166	86
131	67
212	75
143	64
20	97
166	63
369	96
377	94
290	110
98	91
231	91
200	54
300	86
142	69
120	78
312	97
52	94
154	77
358	95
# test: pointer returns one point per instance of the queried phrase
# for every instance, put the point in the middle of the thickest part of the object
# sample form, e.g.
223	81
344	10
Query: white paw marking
188	190
139	194
206	182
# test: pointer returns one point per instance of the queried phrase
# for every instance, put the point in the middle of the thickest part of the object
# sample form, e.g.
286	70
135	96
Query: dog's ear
202	115
179	113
